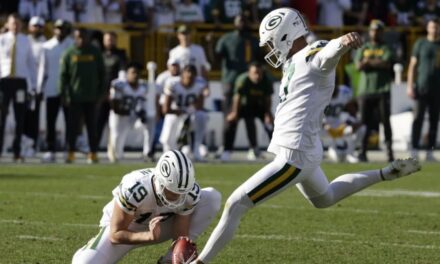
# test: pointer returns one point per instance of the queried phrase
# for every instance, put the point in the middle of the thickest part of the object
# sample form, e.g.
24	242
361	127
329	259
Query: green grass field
47	212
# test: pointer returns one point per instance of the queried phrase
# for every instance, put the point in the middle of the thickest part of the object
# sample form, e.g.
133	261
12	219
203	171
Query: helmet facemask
161	189
274	57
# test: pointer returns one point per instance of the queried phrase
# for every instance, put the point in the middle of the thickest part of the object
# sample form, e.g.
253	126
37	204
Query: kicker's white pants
119	126
99	250
290	167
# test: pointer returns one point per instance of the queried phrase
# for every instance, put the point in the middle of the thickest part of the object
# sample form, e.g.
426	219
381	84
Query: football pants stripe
274	183
97	238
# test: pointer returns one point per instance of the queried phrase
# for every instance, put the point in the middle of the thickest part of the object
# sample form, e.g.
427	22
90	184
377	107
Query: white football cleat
400	168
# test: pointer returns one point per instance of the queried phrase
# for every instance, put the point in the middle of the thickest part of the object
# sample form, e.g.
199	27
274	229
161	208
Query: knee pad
323	201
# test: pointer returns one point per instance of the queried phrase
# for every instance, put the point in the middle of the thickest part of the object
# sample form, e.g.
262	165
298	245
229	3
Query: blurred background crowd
103	75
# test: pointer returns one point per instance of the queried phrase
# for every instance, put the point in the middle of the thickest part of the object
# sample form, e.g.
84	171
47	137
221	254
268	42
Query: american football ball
184	251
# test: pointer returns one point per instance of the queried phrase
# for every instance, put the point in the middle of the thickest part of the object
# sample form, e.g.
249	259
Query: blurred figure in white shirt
18	75
53	49
32	124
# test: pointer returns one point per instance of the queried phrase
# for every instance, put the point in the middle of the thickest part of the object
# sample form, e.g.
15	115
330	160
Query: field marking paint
23	222
348	210
27	237
394	193
424	232
58	195
318	239
335	233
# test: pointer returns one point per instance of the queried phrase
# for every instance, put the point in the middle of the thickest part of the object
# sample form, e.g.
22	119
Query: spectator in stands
260	8
18	76
225	11
331	12
88	11
54	49
30	8
62	9
236	50
112	11
252	99
114	66
188	53
424	87
374	60
82	88
188	12
128	99
402	12
139	11
32	124
183	109
426	10
357	14
308	8
164	15
378	10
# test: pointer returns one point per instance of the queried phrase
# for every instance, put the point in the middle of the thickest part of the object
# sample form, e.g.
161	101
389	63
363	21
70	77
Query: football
184	251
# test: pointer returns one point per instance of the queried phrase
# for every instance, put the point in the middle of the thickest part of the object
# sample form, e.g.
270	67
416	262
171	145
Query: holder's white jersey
183	97
306	89
136	196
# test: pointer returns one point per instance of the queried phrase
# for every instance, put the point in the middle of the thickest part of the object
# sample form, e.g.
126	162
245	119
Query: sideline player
342	127
183	109
151	206
128	102
306	89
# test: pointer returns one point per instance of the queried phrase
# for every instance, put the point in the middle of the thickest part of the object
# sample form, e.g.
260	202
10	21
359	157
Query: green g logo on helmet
273	22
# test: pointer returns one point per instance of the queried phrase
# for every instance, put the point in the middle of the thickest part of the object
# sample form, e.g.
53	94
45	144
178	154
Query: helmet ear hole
284	37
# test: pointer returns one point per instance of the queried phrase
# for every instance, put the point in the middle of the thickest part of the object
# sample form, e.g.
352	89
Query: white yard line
394	193
334	233
58	195
319	239
347	210
28	237
23	222
424	232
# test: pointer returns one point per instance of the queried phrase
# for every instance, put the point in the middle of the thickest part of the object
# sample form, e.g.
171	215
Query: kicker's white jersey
306	89
131	98
135	195
183	97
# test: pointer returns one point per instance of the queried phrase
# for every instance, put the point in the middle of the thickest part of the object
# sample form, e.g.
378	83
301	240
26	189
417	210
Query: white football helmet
278	30
174	172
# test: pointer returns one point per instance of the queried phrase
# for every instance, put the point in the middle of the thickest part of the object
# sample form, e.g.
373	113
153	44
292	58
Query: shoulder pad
315	47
